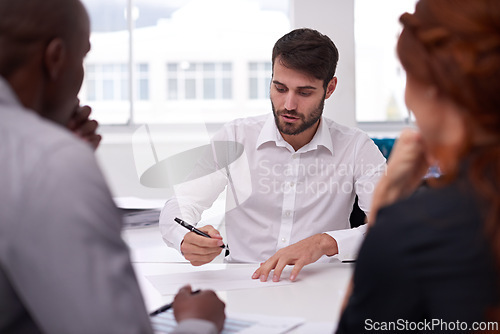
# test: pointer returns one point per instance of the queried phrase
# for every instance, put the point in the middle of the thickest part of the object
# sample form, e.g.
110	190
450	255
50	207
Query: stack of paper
138	212
133	218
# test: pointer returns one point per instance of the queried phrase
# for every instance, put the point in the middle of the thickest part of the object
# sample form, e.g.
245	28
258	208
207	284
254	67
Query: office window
380	79
109	82
189	56
199	81
259	74
143	81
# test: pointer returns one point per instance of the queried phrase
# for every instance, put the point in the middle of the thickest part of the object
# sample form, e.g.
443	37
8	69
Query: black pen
168	306
195	230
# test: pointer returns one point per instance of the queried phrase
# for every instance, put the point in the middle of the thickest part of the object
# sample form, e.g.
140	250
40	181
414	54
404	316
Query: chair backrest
357	216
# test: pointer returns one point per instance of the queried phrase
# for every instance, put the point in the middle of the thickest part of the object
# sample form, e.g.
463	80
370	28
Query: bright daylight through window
193	61
380	79
209	60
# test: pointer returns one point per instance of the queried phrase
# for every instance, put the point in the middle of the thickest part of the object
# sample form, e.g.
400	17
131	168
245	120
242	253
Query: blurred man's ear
55	57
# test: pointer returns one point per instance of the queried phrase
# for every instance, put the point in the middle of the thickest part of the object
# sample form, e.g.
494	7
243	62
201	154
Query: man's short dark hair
309	51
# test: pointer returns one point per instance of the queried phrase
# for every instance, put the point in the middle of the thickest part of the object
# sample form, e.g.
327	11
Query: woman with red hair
431	259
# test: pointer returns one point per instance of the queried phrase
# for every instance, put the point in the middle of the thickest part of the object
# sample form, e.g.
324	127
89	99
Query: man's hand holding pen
189	304
199	305
200	250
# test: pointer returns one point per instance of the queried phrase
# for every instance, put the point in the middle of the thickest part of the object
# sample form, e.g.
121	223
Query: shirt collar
270	133
7	95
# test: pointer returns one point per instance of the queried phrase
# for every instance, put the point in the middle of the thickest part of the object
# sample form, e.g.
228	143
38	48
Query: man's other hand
299	254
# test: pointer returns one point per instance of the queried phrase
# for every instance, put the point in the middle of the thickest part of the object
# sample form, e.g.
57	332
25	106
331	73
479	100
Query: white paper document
235	323
218	280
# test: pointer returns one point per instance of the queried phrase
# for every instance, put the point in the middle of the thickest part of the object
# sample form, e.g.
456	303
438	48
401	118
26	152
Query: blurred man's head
42	47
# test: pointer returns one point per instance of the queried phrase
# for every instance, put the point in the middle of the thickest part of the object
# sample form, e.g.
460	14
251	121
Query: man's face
297	99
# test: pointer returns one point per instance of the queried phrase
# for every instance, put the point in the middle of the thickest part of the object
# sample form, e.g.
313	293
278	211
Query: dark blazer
426	260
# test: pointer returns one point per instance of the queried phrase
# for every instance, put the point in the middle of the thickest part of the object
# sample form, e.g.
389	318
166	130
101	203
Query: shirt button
283	239
287	213
292	184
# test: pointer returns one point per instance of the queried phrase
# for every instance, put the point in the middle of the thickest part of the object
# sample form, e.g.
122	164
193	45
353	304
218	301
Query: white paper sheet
236	323
218	280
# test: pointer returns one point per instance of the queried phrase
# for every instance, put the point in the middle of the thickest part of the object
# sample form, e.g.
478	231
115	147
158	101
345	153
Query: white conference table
316	297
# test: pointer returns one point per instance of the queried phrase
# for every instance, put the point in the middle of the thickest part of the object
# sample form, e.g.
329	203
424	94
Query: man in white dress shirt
294	178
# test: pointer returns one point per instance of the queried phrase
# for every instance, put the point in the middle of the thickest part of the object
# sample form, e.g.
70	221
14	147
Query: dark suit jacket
426	259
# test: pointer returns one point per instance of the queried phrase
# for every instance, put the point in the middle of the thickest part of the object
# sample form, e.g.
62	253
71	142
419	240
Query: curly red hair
454	45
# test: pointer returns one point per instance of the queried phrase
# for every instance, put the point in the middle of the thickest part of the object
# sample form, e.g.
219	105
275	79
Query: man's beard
295	129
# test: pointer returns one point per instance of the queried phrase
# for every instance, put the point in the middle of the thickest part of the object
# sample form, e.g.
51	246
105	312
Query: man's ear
55	58
331	87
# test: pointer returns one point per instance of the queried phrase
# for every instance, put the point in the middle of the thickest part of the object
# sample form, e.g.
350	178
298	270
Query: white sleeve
190	200
205	183
349	241
195	326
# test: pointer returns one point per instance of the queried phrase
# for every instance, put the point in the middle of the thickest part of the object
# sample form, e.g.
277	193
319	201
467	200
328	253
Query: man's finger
201	241
296	270
80	115
185	290
266	268
279	269
194	250
94	141
83	114
211	231
256	273
87	128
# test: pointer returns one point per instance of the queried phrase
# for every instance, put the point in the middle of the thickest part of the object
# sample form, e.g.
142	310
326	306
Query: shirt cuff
349	241
195	326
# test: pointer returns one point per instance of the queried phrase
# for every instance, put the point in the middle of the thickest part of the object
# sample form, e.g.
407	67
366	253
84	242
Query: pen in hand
195	230
168	306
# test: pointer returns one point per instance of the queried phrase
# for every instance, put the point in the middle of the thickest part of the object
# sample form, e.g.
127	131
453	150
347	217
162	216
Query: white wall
334	18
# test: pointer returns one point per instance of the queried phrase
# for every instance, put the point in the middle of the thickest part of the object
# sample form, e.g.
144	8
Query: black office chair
357	216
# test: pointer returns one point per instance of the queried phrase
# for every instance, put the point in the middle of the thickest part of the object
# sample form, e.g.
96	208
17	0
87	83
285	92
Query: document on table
218	280
235	323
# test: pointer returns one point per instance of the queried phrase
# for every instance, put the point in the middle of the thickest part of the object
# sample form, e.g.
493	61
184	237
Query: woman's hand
406	167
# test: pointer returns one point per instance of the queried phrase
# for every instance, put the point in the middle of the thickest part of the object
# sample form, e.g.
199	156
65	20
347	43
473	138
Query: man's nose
290	101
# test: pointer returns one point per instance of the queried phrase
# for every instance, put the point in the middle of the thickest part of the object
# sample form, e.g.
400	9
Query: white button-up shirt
278	196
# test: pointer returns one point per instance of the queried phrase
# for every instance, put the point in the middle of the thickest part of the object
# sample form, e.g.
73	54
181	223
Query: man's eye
280	89
305	93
